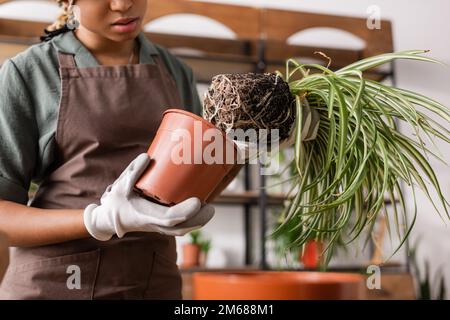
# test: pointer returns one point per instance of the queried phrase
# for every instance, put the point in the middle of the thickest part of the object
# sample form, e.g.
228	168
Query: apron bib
107	116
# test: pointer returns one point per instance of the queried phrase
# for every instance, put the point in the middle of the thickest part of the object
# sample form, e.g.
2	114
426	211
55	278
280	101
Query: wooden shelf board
212	56
252	198
249	198
9	50
387	268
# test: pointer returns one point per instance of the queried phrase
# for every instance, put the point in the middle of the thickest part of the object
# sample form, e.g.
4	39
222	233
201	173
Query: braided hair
60	25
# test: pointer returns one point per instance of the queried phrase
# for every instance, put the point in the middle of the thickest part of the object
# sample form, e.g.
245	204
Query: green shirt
29	103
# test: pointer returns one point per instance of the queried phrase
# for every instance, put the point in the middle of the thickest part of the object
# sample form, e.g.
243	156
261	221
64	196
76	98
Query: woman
77	113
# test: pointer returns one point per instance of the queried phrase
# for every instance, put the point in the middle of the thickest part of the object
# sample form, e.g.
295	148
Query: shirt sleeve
18	135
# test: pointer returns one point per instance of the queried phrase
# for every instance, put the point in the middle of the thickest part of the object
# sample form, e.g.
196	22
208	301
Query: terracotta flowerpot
191	255
202	260
312	255
273	285
178	169
4	256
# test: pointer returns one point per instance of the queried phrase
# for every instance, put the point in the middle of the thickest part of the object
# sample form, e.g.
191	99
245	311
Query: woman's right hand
121	210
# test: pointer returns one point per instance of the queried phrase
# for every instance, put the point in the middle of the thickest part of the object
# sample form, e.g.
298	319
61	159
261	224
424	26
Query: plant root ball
250	101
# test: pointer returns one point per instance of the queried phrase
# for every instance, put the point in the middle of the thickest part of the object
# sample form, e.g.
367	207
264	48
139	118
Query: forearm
28	227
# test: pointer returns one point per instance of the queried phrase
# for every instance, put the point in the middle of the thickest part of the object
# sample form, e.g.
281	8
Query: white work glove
122	210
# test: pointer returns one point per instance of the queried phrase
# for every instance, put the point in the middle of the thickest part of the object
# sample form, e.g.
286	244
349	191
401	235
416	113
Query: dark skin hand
111	45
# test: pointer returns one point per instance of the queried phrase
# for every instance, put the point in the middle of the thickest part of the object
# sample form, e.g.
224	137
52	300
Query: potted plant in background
349	151
425	283
310	256
205	247
191	250
195	252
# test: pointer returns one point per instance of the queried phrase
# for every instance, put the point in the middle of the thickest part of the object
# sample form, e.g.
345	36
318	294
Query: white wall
418	24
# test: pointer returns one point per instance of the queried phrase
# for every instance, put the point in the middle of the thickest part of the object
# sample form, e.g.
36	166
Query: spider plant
425	282
360	157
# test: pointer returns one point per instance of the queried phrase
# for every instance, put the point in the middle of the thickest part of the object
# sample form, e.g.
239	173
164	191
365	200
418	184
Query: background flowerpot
202	259
170	182
4	256
191	255
278	286
311	257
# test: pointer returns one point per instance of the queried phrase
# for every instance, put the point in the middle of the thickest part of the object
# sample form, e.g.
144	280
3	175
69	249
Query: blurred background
215	41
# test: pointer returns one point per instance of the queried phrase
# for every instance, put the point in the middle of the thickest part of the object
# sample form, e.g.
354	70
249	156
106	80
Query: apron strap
163	69
167	75
66	60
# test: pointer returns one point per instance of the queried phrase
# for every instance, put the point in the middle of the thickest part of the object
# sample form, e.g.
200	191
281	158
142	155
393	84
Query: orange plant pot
191	255
272	285
181	134
312	255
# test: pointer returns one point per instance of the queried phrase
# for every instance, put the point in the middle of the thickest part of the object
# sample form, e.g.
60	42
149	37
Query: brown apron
107	116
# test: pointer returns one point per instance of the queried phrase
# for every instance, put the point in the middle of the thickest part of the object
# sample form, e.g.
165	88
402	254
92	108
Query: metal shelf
249	198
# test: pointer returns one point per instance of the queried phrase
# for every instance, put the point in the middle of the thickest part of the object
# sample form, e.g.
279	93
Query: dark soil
250	101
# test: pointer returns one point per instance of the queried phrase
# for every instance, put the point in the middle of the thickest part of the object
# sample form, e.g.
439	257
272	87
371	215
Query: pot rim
206	122
305	277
